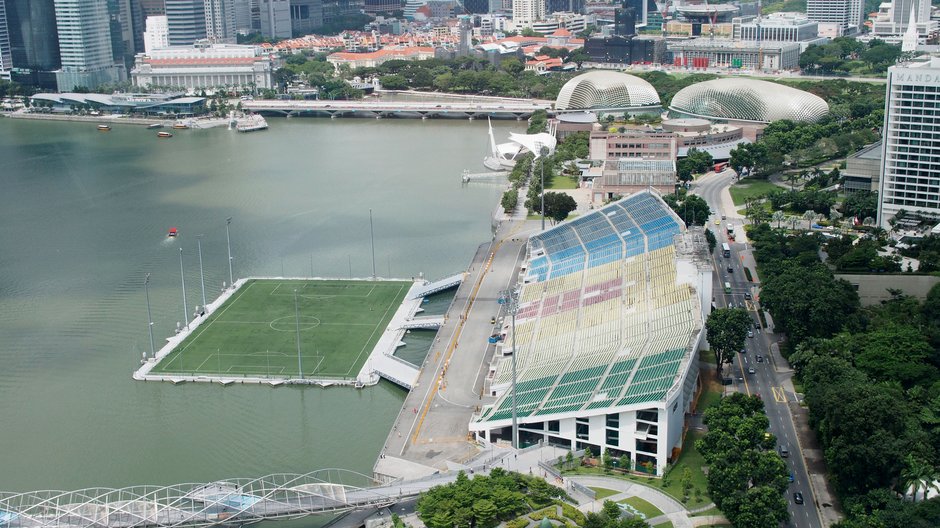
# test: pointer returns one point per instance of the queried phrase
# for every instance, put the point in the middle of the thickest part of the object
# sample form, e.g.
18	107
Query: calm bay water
83	217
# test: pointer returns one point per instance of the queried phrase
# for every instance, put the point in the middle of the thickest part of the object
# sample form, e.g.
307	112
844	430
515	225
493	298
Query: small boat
172	232
154	126
164	135
104	128
251	123
180	126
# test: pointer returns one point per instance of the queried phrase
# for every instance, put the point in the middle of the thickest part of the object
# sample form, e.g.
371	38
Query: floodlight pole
372	237
542	153
512	299
300	364
183	282
202	275
228	240
153	353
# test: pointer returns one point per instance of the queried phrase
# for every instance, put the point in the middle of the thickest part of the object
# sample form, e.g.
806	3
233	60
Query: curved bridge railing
229	502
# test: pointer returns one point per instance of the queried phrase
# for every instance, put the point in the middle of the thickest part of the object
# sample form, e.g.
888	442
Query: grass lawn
710	396
642	506
548	221
690	458
603	493
667	524
562	182
255	332
748	188
706	513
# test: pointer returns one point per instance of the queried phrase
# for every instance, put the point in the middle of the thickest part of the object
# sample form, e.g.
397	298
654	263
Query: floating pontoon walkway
436	286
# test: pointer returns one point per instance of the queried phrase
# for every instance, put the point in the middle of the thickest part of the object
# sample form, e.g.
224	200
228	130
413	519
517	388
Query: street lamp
228	240
511	299
183	282
543	152
202	276
149	315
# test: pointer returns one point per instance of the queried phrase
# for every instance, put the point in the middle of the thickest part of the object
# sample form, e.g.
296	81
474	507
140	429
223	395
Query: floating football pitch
254	333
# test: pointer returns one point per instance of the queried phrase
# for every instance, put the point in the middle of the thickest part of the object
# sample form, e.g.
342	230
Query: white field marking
247	369
202	329
316	367
375	329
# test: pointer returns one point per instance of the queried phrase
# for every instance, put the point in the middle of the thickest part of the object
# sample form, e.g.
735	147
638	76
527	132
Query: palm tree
778	217
868	221
793	220
915	475
808	216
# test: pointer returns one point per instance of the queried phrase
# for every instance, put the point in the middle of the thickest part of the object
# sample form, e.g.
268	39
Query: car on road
784	452
760	358
747	296
493	320
717	221
798	498
723	217
790	477
730	269
756	325
750	370
750	333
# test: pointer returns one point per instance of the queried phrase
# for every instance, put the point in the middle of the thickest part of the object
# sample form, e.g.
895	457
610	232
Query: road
765	380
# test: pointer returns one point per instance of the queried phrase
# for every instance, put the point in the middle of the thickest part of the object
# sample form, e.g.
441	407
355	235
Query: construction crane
665	13
712	19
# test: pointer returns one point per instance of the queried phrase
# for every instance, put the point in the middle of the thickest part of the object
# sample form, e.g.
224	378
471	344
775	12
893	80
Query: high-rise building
6	56
157	35
848	14
374	7
220	21
275	18
244	9
34	42
893	19
85	45
524	12
121	24
911	144
186	20
305	16
140	10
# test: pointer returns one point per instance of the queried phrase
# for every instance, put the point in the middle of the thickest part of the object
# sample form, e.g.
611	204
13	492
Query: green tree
807	301
559	205
624	463
607	460
693	209
485	513
393	82
726	330
510	200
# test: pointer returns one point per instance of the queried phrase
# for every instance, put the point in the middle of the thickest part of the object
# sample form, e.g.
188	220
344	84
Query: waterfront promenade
430	434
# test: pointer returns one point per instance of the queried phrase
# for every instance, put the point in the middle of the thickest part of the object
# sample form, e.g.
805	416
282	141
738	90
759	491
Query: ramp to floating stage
436	286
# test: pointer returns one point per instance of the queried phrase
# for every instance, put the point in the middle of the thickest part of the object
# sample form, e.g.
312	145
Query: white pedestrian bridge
230	502
381	109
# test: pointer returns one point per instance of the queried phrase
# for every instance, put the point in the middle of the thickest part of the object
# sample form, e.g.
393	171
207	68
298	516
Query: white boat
503	156
251	123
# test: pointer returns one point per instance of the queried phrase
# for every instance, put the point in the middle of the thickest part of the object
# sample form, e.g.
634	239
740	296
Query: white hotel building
910	171
204	66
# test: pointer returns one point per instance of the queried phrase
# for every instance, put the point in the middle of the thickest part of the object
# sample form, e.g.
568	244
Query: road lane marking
779	395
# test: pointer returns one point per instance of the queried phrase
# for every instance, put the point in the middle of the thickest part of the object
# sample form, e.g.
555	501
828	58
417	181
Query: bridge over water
382	109
228	502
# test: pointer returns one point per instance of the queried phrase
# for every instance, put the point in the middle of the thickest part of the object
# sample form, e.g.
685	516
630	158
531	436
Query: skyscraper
220	21
186	20
85	45
846	13
894	20
6	56
911	146
305	16
275	18
524	12
157	35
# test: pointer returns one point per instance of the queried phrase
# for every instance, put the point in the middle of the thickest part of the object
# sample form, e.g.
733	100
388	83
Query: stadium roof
606	89
603	320
748	100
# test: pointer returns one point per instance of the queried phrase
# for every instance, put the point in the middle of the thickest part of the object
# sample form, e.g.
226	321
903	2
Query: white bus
725	250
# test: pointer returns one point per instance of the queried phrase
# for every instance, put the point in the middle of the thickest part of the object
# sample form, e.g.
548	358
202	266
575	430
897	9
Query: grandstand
608	321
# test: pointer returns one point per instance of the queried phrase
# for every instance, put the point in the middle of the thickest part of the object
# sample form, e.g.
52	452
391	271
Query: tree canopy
726	330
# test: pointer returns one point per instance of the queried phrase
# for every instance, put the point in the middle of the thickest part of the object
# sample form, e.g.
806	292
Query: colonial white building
204	66
525	12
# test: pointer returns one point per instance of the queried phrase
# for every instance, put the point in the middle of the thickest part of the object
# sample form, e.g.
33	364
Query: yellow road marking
779	395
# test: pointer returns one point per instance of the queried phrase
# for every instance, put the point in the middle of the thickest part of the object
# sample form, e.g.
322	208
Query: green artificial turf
254	333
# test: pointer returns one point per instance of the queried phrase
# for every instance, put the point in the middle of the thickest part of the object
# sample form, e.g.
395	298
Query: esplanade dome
606	90
740	99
